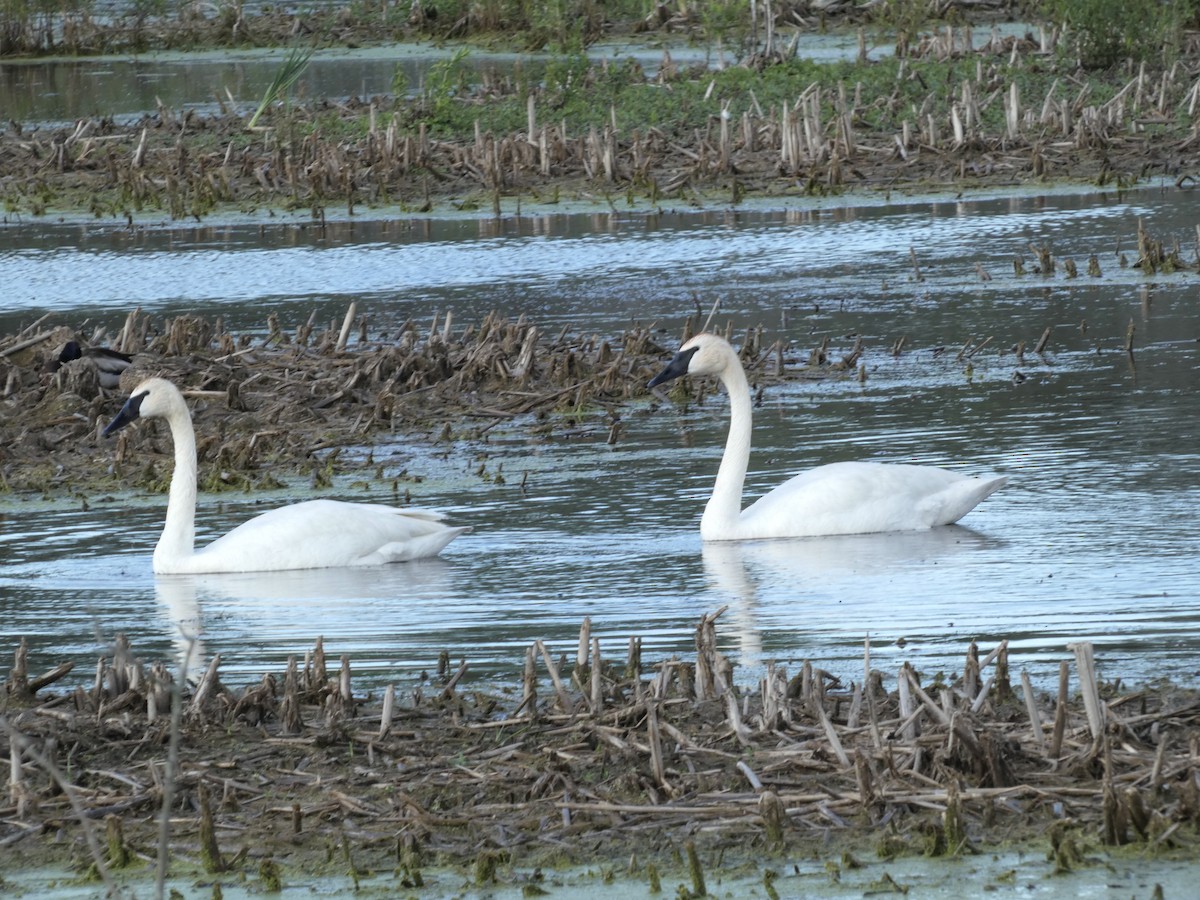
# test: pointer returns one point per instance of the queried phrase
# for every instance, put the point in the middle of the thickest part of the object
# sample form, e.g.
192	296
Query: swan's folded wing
327	533
865	497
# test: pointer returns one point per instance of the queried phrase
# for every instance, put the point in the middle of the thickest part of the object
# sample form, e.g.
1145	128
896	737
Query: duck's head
153	397
705	354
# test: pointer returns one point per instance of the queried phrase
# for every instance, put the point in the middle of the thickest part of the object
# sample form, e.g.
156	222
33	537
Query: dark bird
109	364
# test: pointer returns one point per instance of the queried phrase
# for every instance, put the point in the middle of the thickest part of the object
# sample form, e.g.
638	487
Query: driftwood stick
995	651
18	676
970	680
1040	346
16	776
744	768
856	703
939	715
528	684
774	817
59	671
33	341
289	708
448	690
740	731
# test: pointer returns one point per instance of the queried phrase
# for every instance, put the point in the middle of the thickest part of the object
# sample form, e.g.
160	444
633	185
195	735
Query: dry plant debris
585	759
291	402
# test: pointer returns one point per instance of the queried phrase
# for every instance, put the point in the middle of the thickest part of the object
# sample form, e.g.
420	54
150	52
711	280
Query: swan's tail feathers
420	512
974	492
418	547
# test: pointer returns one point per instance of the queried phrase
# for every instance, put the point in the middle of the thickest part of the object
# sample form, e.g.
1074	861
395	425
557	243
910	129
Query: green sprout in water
289	73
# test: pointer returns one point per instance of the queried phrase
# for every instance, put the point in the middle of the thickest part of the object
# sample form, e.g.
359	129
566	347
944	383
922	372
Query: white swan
315	534
839	498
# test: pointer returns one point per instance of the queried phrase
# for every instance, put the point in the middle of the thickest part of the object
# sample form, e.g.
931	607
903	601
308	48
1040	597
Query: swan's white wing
326	533
863	497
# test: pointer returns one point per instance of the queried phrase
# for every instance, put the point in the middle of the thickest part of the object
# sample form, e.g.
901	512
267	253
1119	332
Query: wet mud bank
670	770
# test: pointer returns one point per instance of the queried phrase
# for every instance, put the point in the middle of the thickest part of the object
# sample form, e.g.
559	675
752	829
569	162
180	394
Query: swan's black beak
676	368
129	413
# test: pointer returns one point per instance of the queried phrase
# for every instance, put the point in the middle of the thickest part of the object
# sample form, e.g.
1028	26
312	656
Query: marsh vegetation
947	102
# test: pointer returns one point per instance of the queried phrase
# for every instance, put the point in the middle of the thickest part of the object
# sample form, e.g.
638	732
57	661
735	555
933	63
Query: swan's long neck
725	506
178	539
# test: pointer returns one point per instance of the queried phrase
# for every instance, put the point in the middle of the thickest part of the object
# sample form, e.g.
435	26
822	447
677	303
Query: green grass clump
1107	32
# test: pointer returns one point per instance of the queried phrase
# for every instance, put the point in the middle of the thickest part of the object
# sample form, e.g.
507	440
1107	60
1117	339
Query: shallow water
1092	540
60	91
57	92
968	877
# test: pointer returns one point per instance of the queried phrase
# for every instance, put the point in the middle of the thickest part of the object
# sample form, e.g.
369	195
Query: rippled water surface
1094	538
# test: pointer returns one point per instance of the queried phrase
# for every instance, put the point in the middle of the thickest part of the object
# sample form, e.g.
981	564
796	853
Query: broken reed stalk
389	709
693	861
560	690
448	690
654	738
347	322
1035	721
597	679
1089	687
206	685
170	771
585	643
345	694
528	704
210	850
1060	710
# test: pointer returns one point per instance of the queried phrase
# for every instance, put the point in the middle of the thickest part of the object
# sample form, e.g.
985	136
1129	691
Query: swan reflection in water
291	609
778	584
